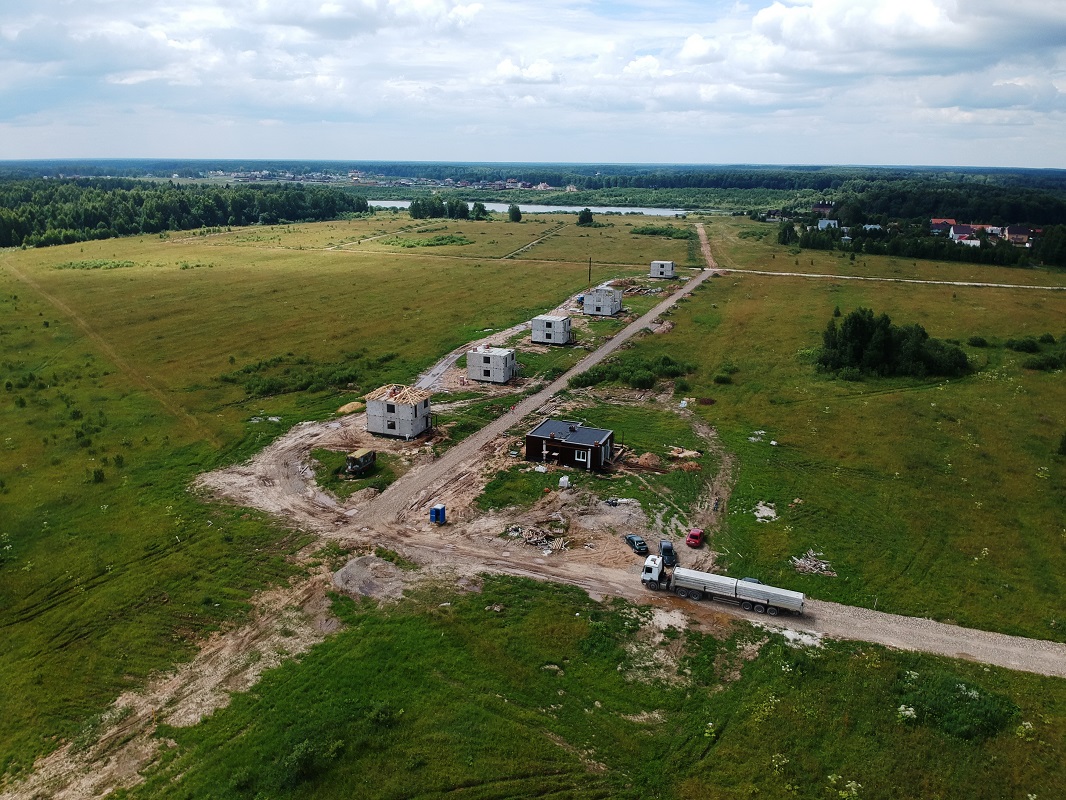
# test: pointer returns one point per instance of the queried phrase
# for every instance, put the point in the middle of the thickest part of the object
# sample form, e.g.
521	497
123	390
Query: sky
935	82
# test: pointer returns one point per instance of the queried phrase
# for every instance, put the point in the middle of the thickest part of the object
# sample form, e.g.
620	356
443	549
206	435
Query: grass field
931	498
555	695
110	568
130	366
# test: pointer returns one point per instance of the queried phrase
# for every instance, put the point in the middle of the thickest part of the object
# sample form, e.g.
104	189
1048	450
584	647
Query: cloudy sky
952	82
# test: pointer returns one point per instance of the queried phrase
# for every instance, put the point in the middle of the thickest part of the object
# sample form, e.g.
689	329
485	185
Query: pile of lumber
812	563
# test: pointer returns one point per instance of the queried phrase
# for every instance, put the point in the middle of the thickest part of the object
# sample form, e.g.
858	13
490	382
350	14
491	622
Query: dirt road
396	518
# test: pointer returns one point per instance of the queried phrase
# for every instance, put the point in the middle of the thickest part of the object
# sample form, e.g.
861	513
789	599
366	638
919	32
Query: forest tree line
38	213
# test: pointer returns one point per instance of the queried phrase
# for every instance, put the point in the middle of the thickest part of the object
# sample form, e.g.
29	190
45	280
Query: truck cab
654	574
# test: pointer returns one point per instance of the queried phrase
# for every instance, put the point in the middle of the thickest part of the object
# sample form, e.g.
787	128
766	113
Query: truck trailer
749	594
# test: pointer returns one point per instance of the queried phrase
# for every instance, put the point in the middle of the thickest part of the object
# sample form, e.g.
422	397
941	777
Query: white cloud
730	75
540	71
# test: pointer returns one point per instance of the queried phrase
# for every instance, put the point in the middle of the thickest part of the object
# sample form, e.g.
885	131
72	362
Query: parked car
695	537
640	547
669	556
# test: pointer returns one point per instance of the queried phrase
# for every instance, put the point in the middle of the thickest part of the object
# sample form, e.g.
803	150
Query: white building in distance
492	364
397	410
603	301
548	329
662	269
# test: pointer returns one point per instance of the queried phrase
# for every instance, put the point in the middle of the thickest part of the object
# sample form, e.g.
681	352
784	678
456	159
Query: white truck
750	594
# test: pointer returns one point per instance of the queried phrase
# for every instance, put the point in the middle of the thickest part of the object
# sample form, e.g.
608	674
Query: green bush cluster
874	346
955	706
99	263
633	371
283	374
668	231
432	241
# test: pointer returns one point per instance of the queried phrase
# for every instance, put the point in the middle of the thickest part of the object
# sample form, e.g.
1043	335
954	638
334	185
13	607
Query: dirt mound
350	408
371	576
649	461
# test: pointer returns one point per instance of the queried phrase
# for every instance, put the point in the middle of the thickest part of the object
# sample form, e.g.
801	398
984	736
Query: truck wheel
746	605
653	585
695	594
760	608
681	592
772	611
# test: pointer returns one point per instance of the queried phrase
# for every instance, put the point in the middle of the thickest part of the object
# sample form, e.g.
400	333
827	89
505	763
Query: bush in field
977	341
633	371
955	706
1026	345
1046	362
282	374
667	231
874	346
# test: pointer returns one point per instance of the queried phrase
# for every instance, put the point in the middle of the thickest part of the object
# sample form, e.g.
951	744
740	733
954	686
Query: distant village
360	178
967	234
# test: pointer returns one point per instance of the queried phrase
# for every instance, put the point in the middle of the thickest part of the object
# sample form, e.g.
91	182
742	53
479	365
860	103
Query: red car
695	537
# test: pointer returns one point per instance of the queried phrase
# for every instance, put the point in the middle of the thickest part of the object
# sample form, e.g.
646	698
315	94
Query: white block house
548	329
603	301
397	410
662	269
492	364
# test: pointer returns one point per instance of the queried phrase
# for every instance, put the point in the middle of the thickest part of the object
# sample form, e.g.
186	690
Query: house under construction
397	410
603	301
491	364
662	269
548	329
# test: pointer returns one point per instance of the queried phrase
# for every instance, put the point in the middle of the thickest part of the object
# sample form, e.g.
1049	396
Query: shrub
1046	338
955	706
1026	345
977	341
722	379
1046	362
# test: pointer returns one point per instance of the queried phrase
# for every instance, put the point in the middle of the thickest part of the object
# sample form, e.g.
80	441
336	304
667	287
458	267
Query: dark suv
666	550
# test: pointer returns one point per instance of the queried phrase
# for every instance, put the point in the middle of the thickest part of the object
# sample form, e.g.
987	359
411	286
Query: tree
514	213
479	211
786	234
584	217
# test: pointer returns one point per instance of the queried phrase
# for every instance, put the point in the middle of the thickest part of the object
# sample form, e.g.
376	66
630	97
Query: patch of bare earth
285	622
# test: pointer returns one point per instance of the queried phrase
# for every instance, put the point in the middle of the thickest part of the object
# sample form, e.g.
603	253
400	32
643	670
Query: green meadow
130	366
930	498
533	690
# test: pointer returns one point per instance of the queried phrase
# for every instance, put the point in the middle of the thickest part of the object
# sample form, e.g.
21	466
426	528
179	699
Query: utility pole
590	272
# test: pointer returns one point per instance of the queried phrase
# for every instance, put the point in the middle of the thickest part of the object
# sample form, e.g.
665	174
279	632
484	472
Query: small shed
604	301
662	269
491	364
570	444
397	410
548	329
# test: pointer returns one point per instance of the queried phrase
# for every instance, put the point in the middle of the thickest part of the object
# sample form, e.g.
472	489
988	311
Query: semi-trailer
748	593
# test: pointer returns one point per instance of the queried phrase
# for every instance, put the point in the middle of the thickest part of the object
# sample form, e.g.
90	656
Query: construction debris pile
813	564
539	538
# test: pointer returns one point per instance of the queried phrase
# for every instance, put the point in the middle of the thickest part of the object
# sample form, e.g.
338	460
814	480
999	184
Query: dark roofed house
1018	235
570	444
